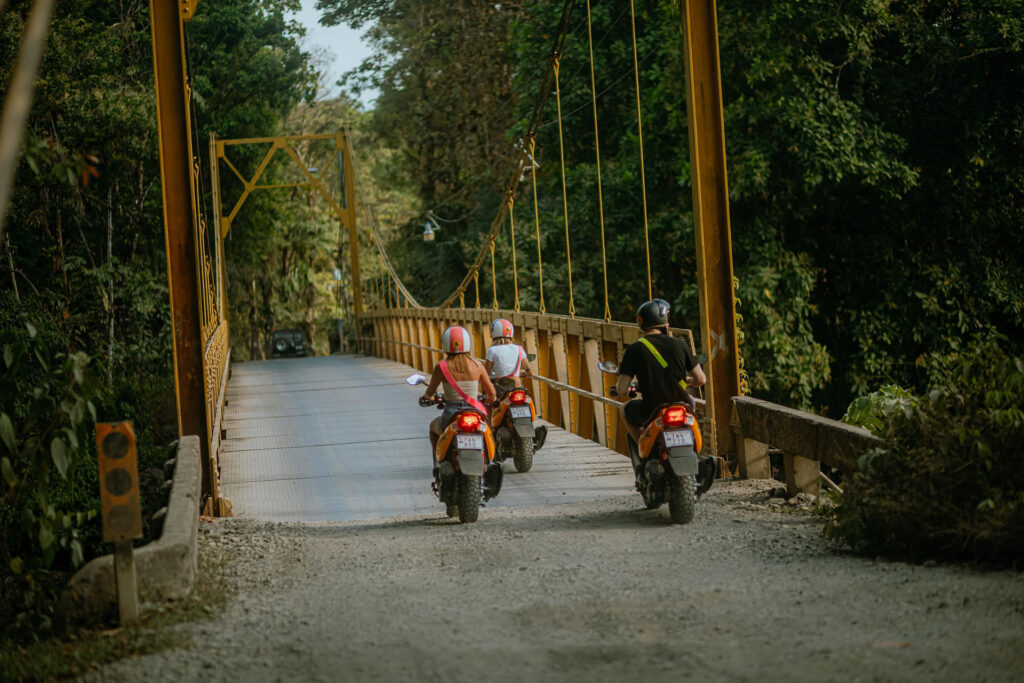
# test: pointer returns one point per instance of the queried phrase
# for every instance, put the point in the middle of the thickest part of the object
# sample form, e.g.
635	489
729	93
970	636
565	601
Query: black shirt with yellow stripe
660	364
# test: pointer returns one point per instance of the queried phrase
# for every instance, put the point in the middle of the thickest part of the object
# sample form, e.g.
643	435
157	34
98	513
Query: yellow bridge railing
569	388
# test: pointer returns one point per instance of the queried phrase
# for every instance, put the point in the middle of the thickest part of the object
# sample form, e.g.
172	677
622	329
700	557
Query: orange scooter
512	421
665	460
465	474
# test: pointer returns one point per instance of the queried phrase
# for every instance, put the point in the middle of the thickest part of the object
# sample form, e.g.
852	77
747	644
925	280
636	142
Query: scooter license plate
467	442
683	437
519	411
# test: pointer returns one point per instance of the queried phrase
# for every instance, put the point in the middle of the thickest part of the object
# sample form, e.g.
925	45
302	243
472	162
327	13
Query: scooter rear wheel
522	454
682	498
469	498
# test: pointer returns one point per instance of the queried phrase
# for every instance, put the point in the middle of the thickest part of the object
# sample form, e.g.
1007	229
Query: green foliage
59	659
45	430
249	69
872	411
947	482
875	171
87	257
786	365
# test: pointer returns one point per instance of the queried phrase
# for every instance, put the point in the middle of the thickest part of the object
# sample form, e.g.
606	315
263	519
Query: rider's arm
488	365
696	377
435	381
524	367
487	387
627	369
622	386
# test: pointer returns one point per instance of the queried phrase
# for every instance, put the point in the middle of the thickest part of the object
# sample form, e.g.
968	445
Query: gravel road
591	591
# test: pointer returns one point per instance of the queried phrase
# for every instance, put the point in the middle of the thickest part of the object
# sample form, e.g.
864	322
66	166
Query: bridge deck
341	437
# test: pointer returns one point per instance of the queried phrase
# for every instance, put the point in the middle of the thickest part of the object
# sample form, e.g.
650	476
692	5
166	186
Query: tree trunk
110	296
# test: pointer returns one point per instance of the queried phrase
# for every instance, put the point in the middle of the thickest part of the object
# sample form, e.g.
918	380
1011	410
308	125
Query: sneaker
540	436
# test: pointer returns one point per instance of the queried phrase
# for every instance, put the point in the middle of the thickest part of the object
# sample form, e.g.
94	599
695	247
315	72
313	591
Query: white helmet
501	328
456	339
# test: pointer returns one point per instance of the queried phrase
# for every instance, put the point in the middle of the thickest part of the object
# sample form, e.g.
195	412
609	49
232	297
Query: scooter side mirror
609	367
413	380
531	357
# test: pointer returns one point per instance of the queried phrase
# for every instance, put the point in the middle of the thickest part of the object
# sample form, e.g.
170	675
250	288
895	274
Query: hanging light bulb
430	227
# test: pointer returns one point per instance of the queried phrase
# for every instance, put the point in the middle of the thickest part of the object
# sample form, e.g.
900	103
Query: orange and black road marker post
122	511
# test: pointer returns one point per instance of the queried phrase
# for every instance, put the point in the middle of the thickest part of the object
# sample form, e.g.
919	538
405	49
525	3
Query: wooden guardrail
571	391
806	441
568	386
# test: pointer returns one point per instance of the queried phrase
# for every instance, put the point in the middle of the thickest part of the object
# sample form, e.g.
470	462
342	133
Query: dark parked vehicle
290	343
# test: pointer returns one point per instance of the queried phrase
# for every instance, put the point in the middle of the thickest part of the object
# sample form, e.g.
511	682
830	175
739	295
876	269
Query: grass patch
86	649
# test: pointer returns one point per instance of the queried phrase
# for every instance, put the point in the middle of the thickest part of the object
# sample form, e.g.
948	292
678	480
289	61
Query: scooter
512	421
465	474
665	461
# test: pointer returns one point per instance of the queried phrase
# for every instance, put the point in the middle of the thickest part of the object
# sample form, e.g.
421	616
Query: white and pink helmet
456	340
501	328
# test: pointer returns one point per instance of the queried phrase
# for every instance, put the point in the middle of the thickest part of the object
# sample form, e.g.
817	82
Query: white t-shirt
505	359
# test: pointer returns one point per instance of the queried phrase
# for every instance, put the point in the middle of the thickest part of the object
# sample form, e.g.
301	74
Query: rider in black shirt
663	367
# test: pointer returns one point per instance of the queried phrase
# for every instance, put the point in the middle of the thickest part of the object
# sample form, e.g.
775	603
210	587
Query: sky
345	44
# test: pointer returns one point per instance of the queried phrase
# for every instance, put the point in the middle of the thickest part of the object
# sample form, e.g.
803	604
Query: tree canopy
874	156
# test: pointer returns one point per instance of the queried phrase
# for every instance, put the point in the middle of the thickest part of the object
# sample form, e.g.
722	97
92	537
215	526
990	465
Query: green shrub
46	416
872	411
948	481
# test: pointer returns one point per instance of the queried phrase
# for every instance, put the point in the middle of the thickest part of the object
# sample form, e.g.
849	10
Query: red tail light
674	416
517	396
468	422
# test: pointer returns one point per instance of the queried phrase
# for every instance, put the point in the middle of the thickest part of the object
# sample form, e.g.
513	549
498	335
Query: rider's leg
630	429
435	434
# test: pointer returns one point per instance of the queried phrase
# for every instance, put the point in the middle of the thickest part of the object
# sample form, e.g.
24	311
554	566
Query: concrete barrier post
801	475
753	459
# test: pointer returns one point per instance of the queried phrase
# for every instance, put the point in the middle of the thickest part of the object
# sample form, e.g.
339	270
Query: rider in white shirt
505	359
505	363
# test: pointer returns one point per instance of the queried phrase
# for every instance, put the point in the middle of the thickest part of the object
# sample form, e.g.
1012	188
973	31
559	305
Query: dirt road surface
587	591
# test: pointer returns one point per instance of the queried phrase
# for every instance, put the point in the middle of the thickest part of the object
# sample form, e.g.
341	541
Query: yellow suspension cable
536	219
494	278
565	199
640	135
462	298
538	110
476	285
512	230
374	230
373	297
597	152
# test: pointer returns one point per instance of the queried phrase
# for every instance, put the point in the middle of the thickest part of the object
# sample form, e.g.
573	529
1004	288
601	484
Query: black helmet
653	313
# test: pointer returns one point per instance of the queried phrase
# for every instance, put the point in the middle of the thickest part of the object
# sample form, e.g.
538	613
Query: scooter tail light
674	416
517	397
468	422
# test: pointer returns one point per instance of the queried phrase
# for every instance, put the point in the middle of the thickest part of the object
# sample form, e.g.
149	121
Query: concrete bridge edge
166	567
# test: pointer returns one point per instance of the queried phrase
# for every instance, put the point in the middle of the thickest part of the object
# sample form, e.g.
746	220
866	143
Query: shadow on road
550	518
